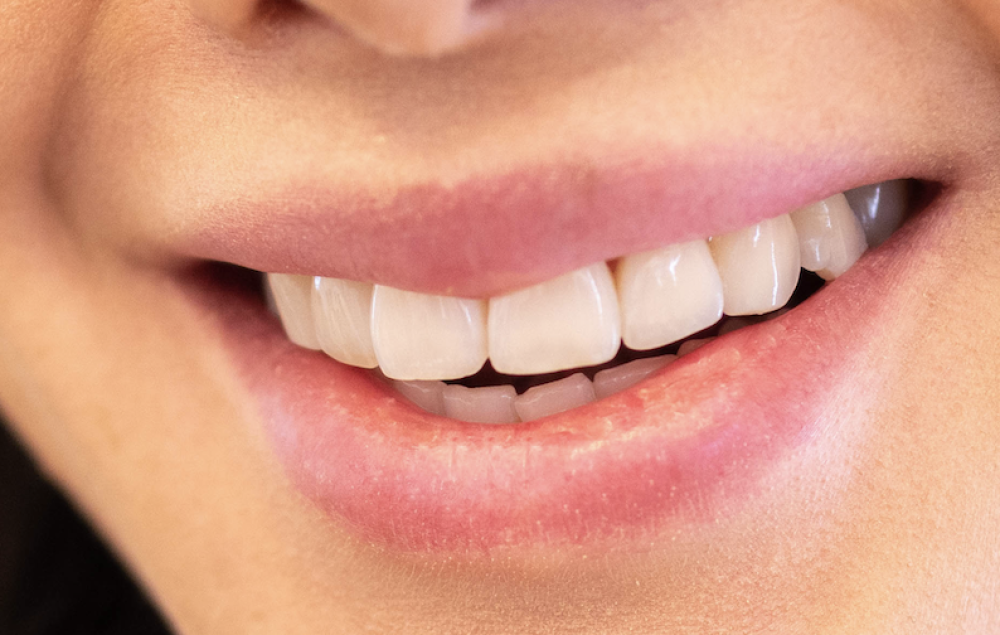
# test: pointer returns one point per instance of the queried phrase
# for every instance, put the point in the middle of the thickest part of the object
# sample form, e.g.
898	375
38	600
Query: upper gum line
646	300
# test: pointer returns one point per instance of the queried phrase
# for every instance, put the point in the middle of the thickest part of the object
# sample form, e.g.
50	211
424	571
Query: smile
590	333
384	411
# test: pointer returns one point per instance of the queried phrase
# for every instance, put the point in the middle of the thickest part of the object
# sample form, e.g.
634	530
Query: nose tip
405	27
396	27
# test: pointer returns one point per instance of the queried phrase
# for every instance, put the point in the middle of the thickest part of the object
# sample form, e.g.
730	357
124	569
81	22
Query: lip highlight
686	445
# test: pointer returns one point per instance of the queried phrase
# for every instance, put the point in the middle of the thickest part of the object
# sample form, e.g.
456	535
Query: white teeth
881	208
759	266
613	380
491	404
292	295
421	336
580	319
342	311
568	322
831	238
668	294
554	397
428	395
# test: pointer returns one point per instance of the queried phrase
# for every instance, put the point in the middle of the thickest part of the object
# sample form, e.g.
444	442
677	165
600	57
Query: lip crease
684	446
483	236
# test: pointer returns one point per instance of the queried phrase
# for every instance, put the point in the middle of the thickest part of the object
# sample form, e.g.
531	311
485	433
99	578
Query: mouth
597	408
590	333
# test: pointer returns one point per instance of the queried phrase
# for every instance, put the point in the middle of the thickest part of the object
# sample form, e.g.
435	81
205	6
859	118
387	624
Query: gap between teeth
647	301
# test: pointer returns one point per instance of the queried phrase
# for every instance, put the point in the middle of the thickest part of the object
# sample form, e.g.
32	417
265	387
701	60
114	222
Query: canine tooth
568	322
759	266
421	336
608	382
881	208
831	238
490	404
668	294
342	312
428	395
554	397
291	295
691	346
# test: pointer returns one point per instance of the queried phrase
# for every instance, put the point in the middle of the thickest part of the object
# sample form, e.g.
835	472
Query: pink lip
686	445
484	236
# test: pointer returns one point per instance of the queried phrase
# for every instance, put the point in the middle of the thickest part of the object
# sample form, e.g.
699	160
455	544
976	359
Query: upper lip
487	235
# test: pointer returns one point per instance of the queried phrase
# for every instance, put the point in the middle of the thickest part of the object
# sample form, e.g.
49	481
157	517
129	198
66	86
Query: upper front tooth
420	336
568	322
831	238
342	311
668	294
292	295
880	208
759	266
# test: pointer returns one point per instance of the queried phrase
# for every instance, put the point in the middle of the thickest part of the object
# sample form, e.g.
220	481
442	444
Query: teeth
420	336
608	382
668	294
492	404
580	319
759	266
428	395
881	208
555	397
342	311
568	322
831	238
292	295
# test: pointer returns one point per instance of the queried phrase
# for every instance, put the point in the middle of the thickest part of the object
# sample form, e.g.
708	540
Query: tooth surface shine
342	312
668	294
568	322
759	266
580	319
421	336
293	297
831	238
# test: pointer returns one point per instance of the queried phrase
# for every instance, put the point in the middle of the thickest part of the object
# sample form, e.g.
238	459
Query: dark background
56	576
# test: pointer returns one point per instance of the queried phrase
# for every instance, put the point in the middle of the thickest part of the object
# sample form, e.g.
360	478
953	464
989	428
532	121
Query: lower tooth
614	380
293	297
428	395
831	238
691	346
555	397
759	266
490	404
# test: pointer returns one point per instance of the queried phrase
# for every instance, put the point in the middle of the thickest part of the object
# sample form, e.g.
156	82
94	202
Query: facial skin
127	130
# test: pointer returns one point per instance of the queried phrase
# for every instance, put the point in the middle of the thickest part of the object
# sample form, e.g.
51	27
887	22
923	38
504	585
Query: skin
118	120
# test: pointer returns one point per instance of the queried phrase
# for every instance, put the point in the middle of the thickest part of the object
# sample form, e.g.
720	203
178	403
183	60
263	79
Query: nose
396	27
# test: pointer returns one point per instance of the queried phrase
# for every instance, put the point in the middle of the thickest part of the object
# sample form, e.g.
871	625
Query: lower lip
687	445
